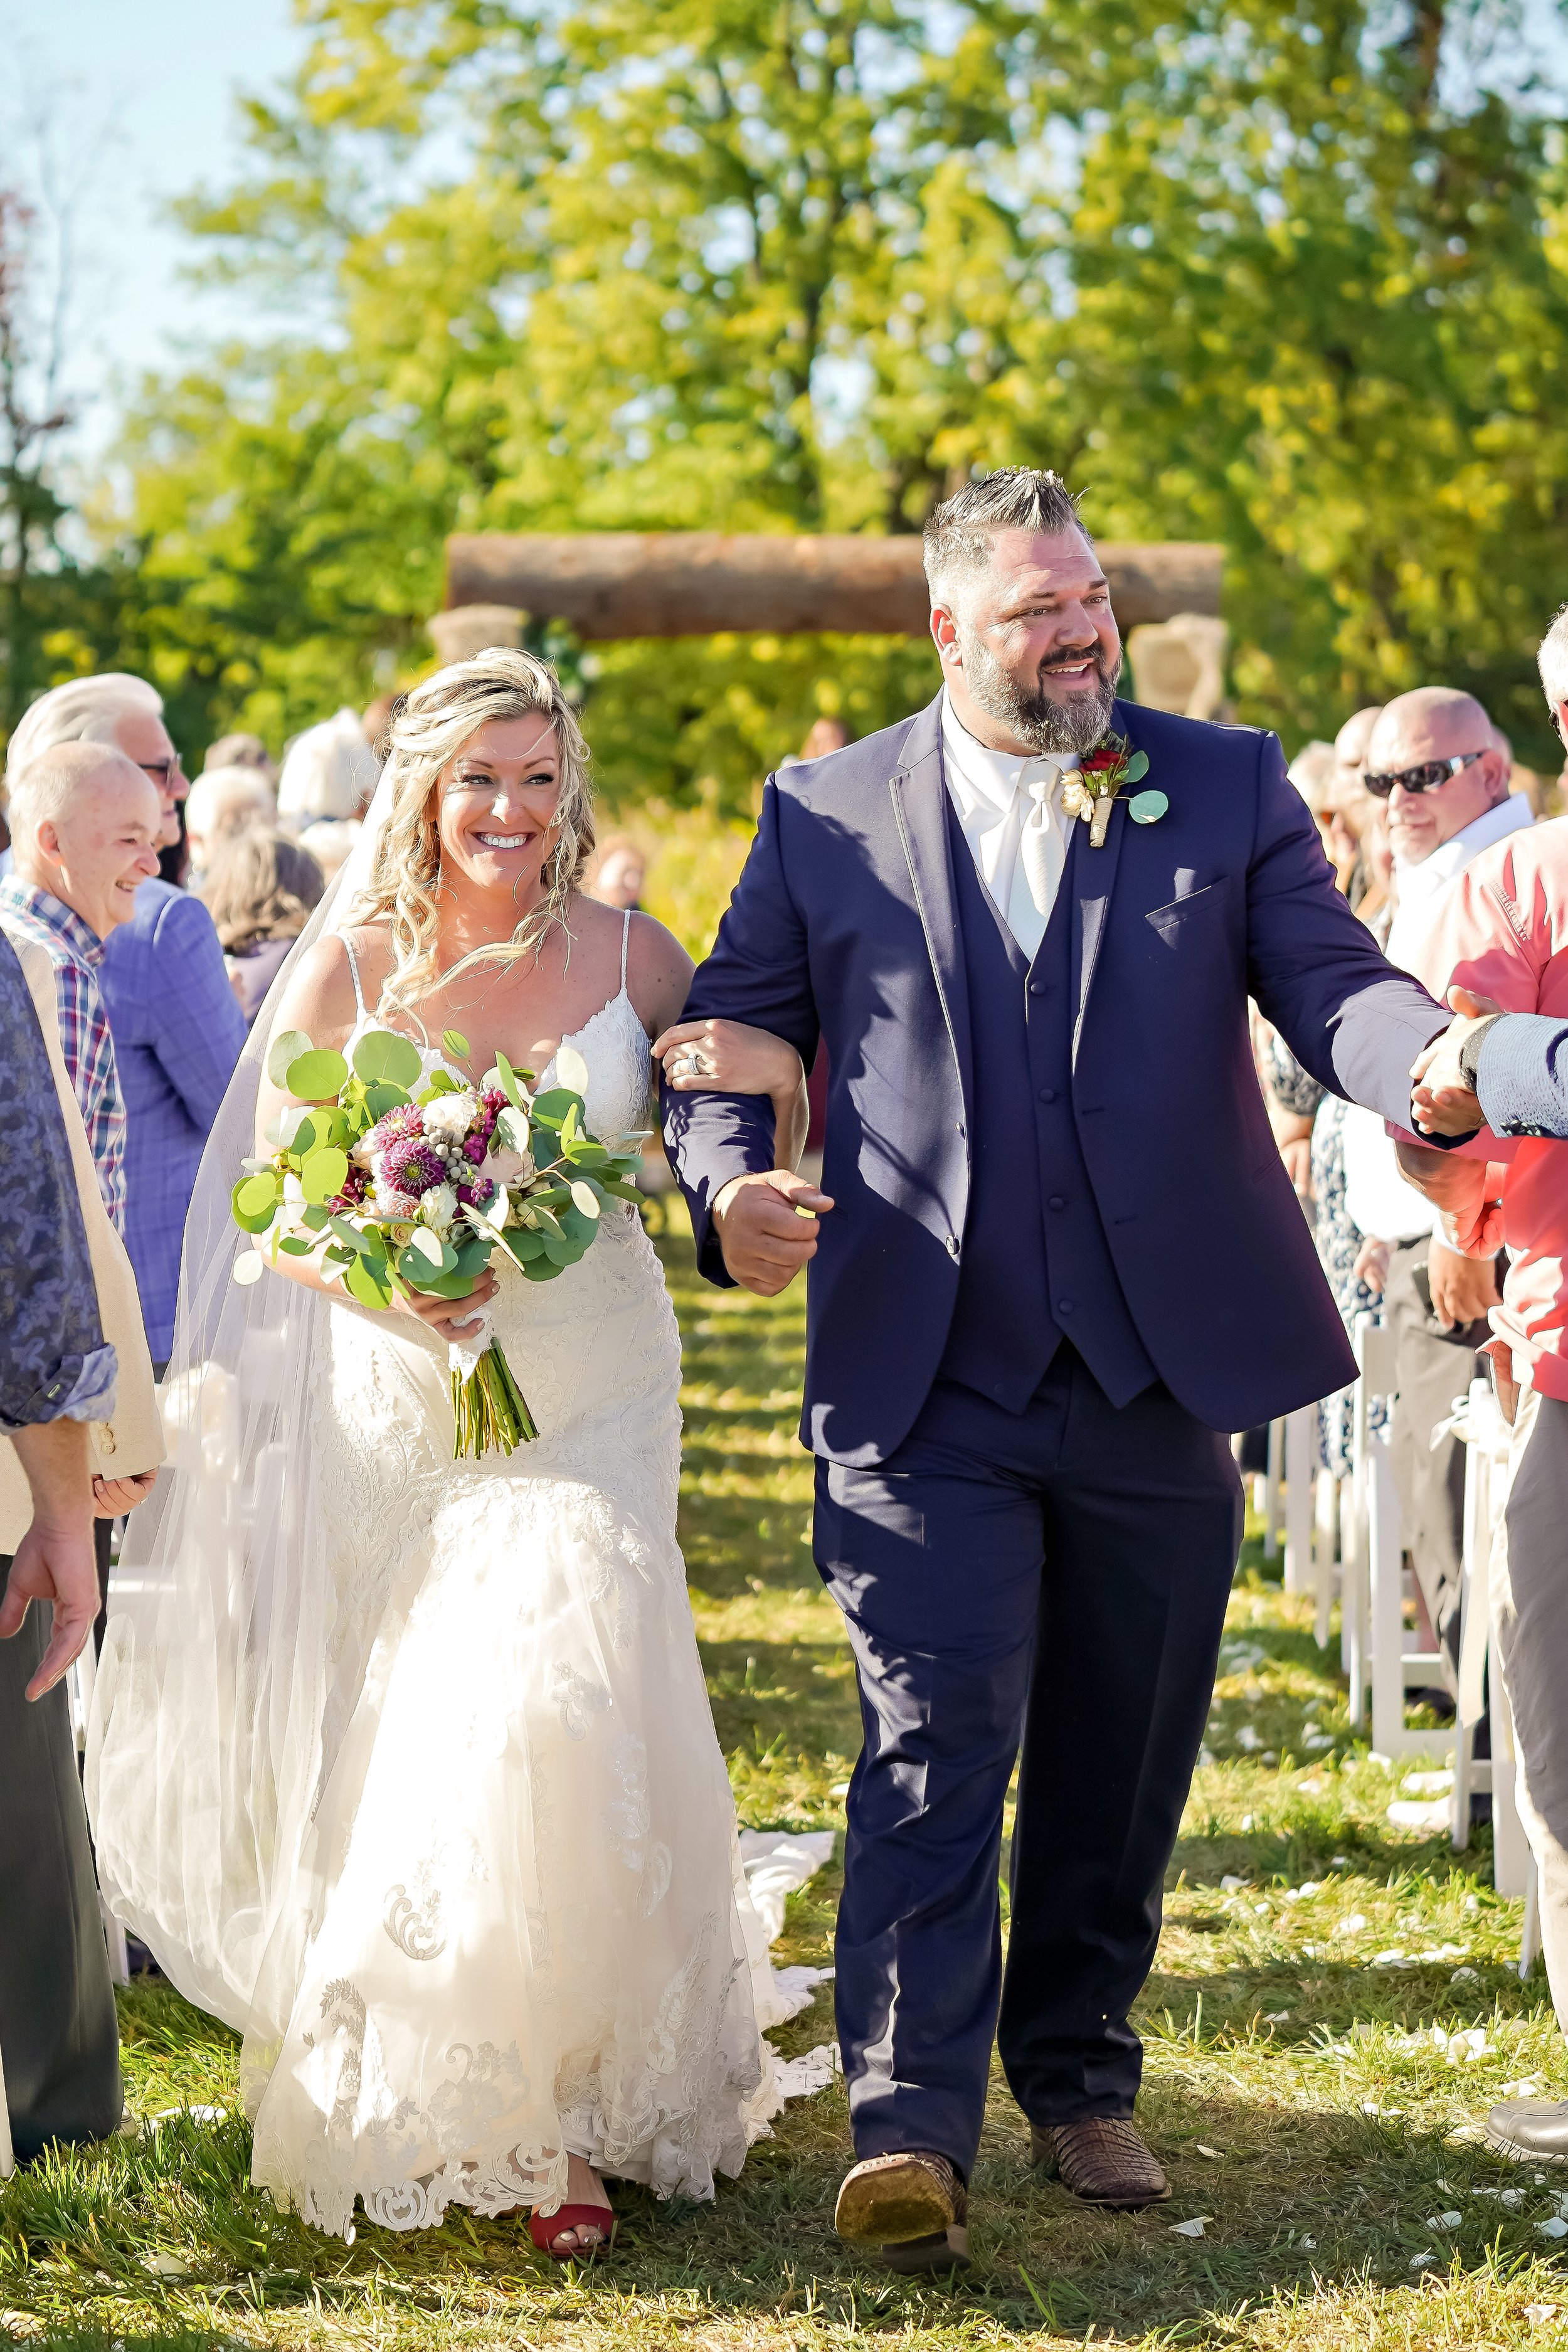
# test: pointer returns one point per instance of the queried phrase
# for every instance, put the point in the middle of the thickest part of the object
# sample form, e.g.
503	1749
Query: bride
403	1765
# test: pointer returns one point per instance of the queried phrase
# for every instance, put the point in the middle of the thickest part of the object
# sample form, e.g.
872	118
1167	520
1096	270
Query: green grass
1293	2088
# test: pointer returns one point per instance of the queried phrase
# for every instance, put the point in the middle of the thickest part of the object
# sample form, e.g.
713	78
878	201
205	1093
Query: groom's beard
1033	717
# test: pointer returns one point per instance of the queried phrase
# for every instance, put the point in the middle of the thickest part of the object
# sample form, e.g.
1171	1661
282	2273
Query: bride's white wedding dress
512	1921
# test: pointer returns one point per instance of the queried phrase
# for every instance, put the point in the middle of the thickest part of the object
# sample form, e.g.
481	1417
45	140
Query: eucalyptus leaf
254	1199
541	1268
317	1077
368	1283
512	1130
248	1269
384	1058
571	1069
324	1174
282	1127
524	1246
508	1079
585	1200
1137	765
316	1218
352	1239
295	1247
551	1109
284	1050
454	1044
382	1096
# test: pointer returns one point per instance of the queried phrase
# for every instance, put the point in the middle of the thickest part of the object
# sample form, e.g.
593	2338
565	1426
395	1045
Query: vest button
1037	988
1048	1094
1064	1307
1056	1201
953	1244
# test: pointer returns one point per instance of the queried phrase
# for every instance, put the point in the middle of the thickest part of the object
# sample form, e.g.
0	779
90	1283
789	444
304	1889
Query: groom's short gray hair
960	532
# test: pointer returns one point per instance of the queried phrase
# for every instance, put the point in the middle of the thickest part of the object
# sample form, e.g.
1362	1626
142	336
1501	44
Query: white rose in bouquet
449	1117
439	1206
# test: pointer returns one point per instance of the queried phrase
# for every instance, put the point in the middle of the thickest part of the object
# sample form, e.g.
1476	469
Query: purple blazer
843	927
178	1030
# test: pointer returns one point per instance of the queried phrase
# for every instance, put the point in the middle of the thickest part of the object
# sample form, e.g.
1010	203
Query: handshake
1444	1075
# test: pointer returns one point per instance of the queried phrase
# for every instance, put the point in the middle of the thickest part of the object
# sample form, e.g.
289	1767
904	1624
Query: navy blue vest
1035	1264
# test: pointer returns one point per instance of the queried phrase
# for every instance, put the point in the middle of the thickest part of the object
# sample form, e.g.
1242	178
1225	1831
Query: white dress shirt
1377	1197
1418	887
995	794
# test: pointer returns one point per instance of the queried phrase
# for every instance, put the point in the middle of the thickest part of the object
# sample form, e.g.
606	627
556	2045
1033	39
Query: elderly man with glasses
1433	758
176	1025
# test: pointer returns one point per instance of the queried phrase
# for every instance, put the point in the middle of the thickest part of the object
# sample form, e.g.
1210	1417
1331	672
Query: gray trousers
1529	1618
59	2040
1434	1367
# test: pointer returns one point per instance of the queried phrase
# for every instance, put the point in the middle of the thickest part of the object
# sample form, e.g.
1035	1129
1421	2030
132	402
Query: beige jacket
133	1439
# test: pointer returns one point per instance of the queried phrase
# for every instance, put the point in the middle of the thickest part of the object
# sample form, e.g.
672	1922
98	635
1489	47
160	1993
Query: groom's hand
767	1228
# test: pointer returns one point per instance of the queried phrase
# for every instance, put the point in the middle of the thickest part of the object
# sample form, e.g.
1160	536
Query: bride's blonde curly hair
428	727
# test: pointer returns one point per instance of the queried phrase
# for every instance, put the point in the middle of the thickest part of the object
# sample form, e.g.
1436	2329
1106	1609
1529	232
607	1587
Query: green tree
1290	279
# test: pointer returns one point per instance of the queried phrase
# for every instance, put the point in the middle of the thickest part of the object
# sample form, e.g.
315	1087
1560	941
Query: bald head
84	826
1436	722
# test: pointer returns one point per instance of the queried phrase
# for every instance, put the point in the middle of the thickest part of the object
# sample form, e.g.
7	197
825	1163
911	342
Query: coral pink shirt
1502	930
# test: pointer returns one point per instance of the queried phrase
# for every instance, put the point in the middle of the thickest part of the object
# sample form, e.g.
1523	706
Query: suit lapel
919	808
1092	877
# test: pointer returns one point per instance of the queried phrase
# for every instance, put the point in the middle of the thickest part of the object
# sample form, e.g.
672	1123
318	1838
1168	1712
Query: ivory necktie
1042	852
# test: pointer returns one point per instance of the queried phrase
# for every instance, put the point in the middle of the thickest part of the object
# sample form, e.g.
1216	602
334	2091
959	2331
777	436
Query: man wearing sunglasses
1502	944
1433	757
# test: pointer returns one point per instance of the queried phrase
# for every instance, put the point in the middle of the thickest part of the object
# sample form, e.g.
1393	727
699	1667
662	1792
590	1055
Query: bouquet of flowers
403	1183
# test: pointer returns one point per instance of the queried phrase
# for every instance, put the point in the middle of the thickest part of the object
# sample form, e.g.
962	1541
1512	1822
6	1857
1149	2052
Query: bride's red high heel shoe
545	2228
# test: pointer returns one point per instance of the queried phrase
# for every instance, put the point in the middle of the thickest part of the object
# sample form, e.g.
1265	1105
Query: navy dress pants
1056	1579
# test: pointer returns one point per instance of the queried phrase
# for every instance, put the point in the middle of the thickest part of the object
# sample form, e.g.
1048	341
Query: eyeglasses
1427	776
164	773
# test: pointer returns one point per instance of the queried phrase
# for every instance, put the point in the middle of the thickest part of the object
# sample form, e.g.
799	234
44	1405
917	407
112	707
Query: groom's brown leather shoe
912	2207
1102	2158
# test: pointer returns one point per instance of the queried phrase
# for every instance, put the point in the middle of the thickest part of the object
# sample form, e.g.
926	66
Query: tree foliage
1288	276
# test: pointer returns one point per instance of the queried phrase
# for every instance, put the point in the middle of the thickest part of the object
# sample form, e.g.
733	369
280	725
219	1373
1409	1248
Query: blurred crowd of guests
1407	798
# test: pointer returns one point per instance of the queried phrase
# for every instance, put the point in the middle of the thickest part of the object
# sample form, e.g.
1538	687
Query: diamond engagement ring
695	1065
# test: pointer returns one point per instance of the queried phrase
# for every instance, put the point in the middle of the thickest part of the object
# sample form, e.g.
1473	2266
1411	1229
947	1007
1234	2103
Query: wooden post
676	583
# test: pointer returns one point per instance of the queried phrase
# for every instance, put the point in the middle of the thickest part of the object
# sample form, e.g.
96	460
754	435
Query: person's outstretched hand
767	1228
1442	1098
1462	1287
54	1563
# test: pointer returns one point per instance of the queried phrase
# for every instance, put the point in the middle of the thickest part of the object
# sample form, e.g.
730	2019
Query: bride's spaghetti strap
358	992
626	937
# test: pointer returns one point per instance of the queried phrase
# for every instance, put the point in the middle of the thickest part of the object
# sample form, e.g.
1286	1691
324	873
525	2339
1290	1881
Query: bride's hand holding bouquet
399	1188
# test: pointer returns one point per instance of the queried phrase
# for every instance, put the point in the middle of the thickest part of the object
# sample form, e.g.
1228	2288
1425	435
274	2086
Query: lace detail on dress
517	1932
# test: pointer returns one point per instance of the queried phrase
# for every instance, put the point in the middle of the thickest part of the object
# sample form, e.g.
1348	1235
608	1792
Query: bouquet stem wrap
490	1411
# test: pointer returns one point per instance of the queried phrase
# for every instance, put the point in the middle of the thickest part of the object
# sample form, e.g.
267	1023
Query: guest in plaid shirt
176	1023
84	824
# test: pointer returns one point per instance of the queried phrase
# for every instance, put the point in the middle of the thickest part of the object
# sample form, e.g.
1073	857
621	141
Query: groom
1057	1255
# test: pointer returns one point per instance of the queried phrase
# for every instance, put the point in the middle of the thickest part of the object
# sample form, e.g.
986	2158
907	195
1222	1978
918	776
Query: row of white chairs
1344	1537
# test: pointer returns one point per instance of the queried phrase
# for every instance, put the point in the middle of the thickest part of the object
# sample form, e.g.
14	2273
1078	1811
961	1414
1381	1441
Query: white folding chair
1477	1419
1272	1479
1300	1448
1379	1657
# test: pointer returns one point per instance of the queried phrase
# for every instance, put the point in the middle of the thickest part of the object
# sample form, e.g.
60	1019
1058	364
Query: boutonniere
1103	777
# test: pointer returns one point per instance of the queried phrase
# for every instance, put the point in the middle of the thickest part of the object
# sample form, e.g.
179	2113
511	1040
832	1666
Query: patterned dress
1338	1237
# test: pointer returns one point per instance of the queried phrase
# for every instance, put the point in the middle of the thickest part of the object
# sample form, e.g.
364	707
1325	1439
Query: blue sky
139	94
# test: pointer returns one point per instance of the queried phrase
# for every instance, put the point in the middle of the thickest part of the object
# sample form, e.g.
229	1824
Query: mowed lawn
1306	2085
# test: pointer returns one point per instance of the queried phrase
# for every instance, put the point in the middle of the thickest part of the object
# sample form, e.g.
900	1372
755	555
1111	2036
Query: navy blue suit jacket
843	925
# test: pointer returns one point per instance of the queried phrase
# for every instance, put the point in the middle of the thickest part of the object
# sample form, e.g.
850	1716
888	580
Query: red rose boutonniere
1102	776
